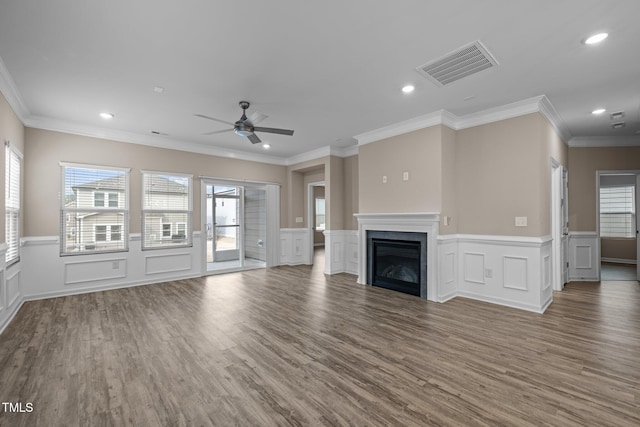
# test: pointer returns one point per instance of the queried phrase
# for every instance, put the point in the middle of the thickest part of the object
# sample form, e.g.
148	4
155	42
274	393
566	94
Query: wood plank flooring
289	346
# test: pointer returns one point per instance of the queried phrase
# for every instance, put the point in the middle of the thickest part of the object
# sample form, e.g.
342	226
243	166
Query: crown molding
55	125
12	95
321	152
549	111
537	104
604	141
395	129
503	112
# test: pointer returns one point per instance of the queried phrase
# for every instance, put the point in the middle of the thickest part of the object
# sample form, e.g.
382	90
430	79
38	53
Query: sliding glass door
226	208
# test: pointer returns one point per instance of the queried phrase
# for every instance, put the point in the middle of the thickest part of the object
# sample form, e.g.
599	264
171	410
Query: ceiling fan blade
217	131
257	117
254	138
273	130
214	119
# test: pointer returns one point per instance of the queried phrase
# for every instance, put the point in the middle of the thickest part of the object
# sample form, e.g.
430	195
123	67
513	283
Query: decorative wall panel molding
584	250
473	267
515	272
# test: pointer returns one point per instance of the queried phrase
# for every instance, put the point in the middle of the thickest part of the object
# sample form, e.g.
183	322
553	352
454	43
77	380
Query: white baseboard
11	314
101	288
505	302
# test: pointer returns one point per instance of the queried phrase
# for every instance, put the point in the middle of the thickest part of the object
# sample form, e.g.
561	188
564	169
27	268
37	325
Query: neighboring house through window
95	209
12	203
167	210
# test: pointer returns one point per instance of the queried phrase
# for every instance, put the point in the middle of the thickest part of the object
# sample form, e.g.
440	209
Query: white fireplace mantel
420	222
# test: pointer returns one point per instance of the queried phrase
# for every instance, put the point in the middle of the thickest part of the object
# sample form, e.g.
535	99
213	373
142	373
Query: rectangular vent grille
467	60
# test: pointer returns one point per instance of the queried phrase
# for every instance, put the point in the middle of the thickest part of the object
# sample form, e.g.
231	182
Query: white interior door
565	227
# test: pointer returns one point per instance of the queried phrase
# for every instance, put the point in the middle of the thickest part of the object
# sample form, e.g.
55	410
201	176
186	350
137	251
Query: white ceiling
328	69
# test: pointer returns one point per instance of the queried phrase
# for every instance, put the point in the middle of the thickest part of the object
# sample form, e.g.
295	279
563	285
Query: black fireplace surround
398	261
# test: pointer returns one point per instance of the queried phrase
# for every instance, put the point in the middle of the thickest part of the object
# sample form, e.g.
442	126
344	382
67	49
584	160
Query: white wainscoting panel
13	285
351	252
334	244
473	267
167	263
94	270
11	293
447	267
584	248
341	251
46	274
3	295
510	269
295	246
546	293
515	272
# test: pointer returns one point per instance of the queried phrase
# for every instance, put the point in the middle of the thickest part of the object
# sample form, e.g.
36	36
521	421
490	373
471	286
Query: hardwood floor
289	346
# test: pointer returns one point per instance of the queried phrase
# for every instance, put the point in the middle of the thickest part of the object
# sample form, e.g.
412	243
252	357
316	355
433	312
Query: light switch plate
384	179
405	176
521	221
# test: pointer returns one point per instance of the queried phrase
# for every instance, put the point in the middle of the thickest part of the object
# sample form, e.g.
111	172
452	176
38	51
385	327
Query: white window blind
167	210
617	211
12	204
94	214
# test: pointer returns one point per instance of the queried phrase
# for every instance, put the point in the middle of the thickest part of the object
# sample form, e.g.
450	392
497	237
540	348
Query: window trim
13	244
189	213
123	210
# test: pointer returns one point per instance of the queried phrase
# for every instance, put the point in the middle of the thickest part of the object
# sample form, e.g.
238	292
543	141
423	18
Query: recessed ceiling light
596	38
408	88
266	146
106	116
598	111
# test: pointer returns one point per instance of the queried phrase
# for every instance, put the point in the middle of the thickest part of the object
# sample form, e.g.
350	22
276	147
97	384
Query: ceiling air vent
463	62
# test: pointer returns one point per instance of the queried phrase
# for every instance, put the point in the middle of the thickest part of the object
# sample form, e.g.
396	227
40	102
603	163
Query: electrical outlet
488	273
521	221
115	265
384	179
299	219
405	176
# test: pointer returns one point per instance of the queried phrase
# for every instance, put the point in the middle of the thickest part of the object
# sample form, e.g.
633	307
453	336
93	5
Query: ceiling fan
246	126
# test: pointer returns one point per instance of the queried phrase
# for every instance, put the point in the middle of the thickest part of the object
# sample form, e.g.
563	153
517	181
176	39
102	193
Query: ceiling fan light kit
245	126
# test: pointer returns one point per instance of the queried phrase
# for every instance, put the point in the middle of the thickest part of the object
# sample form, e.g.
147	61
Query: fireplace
397	261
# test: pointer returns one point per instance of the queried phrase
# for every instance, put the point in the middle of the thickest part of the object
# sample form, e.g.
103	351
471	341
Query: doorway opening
237	226
617	225
316	219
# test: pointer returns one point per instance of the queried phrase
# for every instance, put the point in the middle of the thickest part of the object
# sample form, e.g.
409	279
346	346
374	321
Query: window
99	198
95	209
617	211
167	210
320	221
108	233
12	203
